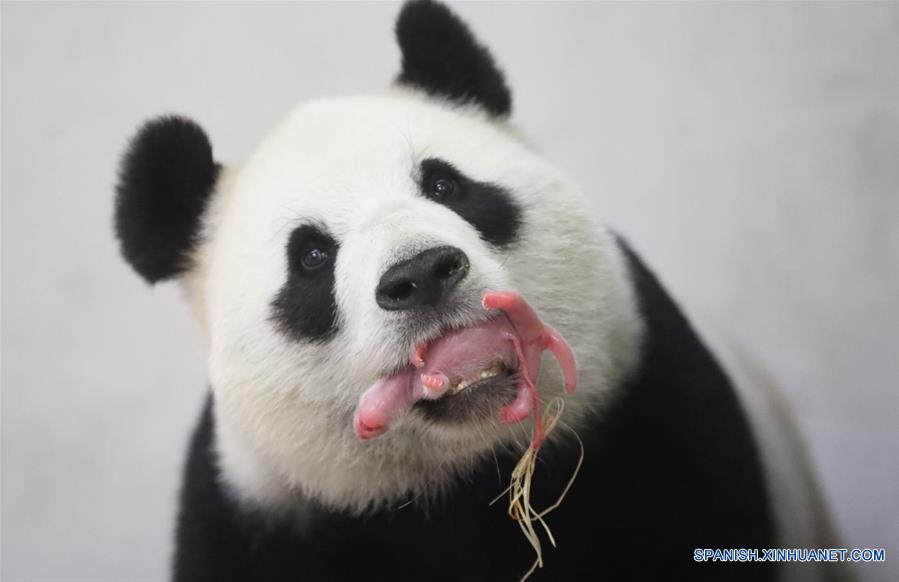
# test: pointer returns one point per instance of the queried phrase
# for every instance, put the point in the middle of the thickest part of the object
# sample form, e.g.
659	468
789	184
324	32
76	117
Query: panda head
359	228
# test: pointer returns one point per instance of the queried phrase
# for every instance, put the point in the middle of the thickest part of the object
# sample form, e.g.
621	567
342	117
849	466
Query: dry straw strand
520	508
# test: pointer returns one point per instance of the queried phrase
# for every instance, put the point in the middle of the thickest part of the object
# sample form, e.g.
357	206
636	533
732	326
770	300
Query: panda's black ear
165	180
443	58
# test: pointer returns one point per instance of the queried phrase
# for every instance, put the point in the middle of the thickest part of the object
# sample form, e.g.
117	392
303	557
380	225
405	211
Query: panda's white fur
283	409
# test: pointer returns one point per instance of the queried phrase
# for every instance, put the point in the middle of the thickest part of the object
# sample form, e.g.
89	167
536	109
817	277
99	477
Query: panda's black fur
442	57
669	466
165	180
304	308
487	207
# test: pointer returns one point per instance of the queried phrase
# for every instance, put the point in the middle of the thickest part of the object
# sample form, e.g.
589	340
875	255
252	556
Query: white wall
749	151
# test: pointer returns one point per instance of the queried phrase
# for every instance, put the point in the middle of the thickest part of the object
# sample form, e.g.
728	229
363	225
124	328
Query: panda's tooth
494	369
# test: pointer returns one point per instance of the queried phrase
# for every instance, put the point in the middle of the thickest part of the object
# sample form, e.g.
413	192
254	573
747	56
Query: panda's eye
314	259
443	187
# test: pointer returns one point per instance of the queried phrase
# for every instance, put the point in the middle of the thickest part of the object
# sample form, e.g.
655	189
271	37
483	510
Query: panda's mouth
475	397
470	373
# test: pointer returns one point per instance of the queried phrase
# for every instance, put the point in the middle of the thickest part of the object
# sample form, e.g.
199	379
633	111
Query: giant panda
365	227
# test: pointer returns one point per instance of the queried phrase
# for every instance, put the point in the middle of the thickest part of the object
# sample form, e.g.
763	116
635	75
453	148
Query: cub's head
361	229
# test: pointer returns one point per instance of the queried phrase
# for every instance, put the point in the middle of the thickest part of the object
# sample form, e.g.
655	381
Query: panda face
359	229
298	243
339	195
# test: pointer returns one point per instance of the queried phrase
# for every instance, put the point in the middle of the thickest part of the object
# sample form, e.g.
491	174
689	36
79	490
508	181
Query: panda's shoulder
676	433
219	538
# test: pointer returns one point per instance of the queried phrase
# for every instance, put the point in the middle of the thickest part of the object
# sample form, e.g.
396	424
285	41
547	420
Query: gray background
749	151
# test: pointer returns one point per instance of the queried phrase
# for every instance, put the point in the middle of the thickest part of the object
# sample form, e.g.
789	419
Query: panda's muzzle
502	352
425	280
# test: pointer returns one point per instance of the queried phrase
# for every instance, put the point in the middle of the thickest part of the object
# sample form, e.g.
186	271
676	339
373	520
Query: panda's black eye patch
305	307
486	206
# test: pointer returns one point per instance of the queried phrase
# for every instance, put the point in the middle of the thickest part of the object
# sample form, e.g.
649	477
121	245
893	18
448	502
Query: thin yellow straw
519	489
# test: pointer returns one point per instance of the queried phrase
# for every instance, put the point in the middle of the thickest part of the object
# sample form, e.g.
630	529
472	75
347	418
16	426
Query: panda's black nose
424	280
